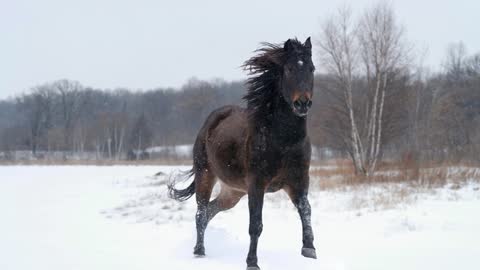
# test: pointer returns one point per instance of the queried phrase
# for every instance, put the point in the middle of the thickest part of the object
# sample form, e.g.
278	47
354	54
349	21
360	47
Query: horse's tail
181	194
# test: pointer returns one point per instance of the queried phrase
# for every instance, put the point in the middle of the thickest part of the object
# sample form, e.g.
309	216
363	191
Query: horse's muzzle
302	105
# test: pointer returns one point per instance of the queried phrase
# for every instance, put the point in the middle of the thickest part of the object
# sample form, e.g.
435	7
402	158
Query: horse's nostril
297	104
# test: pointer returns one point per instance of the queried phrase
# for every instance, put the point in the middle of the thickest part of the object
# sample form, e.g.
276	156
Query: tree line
373	100
65	116
379	103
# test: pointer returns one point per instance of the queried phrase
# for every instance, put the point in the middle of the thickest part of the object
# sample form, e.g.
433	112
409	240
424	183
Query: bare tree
70	104
371	49
339	55
37	108
384	56
454	63
141	136
455	112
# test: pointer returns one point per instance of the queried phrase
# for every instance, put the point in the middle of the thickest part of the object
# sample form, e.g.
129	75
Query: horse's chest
270	161
270	155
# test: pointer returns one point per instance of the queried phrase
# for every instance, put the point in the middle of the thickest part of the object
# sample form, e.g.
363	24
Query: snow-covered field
119	217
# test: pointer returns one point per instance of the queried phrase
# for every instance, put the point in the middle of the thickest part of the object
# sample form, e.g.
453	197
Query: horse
261	148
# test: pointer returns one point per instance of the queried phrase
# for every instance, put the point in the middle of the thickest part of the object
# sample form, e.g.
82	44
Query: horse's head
297	76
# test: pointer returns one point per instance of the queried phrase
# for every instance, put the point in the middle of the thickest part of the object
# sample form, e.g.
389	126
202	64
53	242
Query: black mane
265	70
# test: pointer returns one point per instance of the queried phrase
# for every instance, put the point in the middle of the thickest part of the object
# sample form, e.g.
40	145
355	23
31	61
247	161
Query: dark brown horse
263	148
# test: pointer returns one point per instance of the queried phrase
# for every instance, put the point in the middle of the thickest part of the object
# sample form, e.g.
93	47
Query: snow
185	151
119	217
180	151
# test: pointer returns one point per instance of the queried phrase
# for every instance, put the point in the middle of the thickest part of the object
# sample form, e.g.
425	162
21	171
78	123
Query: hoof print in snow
309	253
253	268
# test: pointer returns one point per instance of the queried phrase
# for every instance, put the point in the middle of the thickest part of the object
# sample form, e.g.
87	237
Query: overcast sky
147	44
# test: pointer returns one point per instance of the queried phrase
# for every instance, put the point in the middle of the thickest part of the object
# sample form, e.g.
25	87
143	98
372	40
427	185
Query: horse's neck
281	125
287	127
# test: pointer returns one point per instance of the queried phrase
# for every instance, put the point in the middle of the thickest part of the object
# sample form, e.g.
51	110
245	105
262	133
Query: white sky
146	44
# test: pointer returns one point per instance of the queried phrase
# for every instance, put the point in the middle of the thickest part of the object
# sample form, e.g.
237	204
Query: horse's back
225	135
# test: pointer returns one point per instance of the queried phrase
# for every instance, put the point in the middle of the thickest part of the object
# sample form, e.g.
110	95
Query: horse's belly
226	151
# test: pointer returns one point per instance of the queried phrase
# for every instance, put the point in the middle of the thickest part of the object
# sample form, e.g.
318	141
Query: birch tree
371	48
339	55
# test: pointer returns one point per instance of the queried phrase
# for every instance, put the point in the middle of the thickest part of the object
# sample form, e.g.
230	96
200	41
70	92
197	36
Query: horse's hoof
253	268
309	253
199	252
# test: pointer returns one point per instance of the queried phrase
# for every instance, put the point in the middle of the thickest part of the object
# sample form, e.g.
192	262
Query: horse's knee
304	207
201	216
256	225
255	205
255	228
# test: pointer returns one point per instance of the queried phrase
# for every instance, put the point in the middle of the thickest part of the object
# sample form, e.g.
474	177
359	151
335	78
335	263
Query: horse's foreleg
255	205
304	209
300	200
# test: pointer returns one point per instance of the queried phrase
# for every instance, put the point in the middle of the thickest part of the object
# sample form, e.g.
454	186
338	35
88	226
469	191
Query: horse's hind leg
204	183
227	199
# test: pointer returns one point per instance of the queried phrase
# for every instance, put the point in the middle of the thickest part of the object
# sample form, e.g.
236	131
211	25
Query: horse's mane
265	70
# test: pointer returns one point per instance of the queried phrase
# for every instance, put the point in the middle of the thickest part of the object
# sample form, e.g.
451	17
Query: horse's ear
308	44
288	46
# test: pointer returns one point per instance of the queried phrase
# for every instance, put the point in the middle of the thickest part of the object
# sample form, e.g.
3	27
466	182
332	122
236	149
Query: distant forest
433	117
68	117
371	102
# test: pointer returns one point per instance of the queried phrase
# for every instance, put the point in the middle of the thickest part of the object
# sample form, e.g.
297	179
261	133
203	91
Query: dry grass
394	184
431	176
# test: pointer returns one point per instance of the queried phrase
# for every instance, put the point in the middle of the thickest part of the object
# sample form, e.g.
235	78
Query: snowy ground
118	217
